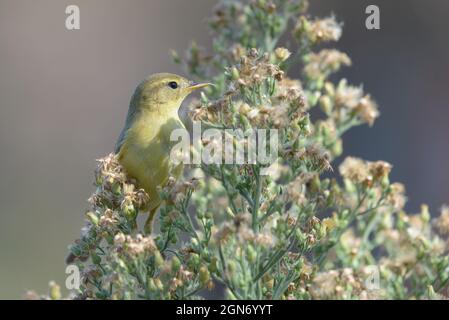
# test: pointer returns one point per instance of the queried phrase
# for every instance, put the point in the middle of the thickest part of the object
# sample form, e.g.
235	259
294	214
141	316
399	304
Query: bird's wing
132	111
120	140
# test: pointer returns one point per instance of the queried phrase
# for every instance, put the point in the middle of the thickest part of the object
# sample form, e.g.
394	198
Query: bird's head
163	91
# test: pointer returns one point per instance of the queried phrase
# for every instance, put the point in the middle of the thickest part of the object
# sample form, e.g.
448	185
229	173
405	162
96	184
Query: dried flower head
318	30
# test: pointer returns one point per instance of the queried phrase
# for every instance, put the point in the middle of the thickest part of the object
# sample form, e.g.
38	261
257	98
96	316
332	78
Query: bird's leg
149	223
134	225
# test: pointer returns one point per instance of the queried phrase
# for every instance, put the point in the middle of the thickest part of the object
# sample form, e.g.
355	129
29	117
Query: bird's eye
173	84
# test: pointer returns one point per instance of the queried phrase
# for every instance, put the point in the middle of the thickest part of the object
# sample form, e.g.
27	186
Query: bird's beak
195	86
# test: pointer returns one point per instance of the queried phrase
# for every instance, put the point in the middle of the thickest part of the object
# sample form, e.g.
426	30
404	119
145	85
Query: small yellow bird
143	147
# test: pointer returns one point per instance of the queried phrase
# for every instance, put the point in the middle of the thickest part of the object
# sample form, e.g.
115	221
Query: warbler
143	147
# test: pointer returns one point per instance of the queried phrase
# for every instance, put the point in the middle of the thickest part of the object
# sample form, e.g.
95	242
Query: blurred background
64	96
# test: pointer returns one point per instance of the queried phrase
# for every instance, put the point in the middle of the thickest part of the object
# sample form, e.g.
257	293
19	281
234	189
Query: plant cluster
307	230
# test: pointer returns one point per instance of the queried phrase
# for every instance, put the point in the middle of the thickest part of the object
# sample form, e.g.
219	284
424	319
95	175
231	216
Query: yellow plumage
144	145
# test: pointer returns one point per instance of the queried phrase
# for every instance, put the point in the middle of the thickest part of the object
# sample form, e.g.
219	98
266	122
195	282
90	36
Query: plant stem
256	200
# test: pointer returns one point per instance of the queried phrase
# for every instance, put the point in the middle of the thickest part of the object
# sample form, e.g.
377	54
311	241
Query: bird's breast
146	152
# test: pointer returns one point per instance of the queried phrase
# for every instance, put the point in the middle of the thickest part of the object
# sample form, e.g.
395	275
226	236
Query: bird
143	146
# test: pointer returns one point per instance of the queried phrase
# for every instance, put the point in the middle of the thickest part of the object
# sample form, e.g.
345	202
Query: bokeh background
64	95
